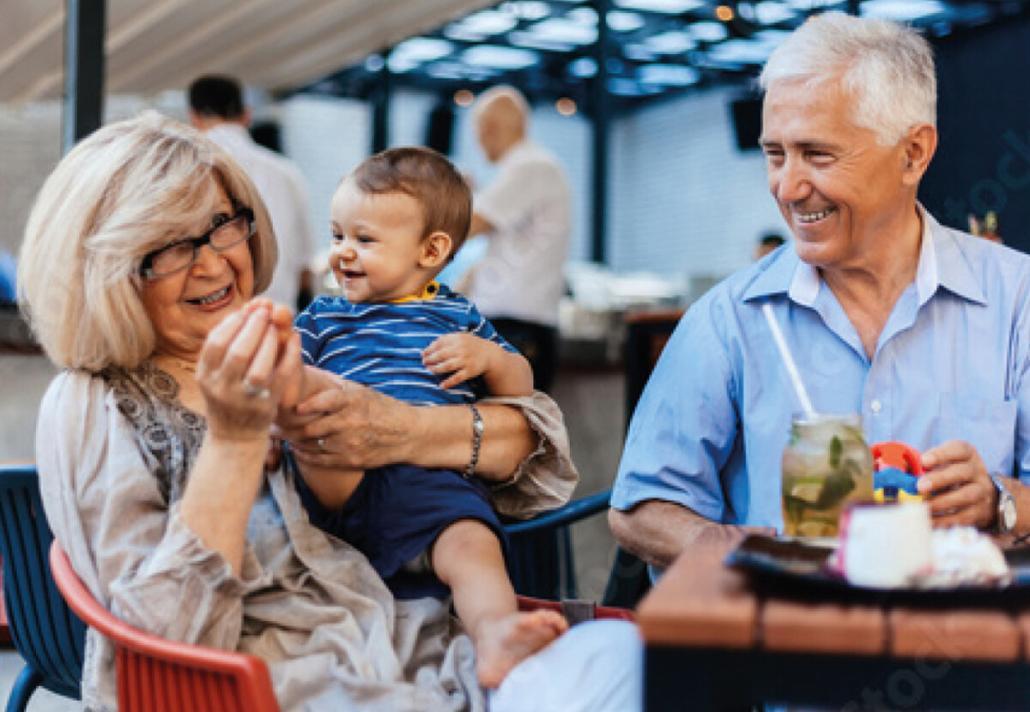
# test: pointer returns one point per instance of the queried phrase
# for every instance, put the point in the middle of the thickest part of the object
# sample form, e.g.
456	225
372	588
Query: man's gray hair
887	68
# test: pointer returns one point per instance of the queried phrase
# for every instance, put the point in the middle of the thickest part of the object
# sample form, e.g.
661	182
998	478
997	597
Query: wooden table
714	642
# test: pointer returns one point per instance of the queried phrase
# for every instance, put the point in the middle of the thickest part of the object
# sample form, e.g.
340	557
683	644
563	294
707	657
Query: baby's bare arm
510	374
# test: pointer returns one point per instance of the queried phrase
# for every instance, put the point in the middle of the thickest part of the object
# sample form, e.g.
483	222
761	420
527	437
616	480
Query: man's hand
957	487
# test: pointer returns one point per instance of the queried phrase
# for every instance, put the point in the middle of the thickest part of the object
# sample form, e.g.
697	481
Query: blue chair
45	632
540	556
540	559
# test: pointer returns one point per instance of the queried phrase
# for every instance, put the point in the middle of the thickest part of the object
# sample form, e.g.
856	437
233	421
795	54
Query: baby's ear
436	249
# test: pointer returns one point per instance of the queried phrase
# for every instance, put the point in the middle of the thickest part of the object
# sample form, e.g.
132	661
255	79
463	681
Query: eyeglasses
181	254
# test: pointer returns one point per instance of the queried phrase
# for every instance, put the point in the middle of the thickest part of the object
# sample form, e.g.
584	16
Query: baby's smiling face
377	244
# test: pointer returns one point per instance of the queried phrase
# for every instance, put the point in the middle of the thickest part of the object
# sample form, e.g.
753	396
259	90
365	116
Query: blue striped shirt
380	344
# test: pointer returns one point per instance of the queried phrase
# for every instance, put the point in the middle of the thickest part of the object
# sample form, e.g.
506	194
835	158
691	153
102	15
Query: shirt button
875	406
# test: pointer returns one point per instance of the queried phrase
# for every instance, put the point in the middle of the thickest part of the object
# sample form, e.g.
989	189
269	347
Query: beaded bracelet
477	440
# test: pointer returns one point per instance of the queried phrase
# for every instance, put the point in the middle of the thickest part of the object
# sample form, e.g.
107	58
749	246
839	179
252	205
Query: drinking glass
826	466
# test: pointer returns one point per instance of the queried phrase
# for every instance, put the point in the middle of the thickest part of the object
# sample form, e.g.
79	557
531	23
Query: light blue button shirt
951	363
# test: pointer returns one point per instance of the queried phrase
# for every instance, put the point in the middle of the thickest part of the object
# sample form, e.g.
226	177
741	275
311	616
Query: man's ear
920	143
435	249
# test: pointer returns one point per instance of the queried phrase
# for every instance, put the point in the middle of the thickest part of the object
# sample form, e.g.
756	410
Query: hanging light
463	97
565	106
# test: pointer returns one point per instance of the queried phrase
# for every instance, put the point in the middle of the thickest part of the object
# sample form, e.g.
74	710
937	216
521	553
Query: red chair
158	674
577	611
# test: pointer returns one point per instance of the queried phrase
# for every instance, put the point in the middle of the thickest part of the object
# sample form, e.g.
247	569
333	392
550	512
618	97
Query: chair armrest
563	516
240	666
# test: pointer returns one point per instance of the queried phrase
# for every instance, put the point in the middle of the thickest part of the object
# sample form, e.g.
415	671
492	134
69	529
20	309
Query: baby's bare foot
503	643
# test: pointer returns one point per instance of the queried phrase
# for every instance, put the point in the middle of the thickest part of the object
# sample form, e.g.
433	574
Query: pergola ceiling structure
654	47
156	45
547	47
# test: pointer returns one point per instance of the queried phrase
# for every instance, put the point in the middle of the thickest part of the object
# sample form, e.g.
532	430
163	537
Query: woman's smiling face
184	306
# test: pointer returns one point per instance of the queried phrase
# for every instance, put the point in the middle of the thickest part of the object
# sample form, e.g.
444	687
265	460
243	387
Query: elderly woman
142	247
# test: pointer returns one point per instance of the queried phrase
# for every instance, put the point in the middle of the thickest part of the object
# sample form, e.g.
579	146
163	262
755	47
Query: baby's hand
464	356
280	316
281	319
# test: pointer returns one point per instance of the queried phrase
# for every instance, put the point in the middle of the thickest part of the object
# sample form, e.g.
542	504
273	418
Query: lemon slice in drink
807	491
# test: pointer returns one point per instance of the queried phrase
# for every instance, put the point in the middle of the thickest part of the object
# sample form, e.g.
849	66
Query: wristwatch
1006	506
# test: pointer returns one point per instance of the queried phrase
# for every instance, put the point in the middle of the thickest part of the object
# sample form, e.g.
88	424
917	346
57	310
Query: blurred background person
217	109
526	214
767	243
8	269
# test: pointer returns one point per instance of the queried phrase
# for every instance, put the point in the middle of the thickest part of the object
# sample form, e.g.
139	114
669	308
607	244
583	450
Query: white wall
683	199
30	145
327	138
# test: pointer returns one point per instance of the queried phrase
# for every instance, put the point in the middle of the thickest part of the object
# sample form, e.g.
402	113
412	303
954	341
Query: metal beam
601	115
83	70
380	100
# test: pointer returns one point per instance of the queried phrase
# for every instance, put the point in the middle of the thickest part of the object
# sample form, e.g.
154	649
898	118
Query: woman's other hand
347	425
243	372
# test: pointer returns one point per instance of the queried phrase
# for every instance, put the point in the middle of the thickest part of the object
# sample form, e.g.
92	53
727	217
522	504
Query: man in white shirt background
217	109
525	213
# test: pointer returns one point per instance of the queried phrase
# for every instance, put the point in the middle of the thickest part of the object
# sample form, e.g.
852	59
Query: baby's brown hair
429	178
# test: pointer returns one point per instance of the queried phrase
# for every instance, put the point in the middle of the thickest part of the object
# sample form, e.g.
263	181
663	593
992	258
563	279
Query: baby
397	220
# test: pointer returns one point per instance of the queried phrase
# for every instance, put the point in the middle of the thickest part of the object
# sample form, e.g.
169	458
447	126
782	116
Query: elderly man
920	329
525	213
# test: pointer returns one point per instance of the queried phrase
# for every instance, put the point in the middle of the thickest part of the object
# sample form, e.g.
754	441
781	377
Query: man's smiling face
836	186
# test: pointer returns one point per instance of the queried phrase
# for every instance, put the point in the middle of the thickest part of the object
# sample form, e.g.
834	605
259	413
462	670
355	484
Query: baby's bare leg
467	557
333	487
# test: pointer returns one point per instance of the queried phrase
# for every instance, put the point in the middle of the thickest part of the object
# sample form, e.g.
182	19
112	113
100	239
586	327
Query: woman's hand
242	373
347	425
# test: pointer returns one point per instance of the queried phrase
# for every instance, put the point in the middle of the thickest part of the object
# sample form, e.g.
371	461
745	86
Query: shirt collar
941	263
954	271
428	292
774	274
230	128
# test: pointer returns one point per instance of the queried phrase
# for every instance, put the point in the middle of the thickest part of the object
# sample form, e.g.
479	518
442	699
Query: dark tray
795	568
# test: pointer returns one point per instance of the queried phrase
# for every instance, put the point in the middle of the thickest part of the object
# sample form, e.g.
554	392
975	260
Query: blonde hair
887	68
127	189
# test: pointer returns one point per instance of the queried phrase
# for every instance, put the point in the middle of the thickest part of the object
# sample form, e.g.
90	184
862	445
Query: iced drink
826	465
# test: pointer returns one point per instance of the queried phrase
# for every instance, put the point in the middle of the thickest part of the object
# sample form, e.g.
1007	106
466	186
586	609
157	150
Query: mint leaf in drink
837	486
836	449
